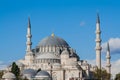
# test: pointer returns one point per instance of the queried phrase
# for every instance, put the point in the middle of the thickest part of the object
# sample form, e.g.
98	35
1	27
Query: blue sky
72	20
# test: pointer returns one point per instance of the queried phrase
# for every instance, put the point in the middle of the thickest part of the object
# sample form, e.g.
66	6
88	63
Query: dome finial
52	34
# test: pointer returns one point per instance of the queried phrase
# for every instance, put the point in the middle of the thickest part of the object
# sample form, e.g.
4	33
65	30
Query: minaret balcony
108	65
108	57
98	40
98	32
28	35
29	43
98	48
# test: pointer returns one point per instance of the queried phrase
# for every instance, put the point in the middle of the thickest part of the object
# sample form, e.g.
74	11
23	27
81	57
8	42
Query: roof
42	74
47	56
8	75
31	72
53	41
73	55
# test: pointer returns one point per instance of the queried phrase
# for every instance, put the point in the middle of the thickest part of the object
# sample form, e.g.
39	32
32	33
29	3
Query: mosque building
56	60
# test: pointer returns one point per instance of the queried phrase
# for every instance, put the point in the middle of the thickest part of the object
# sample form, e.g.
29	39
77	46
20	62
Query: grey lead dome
29	71
8	75
43	74
53	41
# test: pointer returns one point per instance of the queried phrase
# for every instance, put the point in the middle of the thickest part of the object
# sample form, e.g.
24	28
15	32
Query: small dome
29	73
65	52
8	75
47	56
53	41
42	74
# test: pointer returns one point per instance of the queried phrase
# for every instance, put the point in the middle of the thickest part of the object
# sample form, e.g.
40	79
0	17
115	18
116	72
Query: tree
38	70
117	77
1	74
101	74
15	70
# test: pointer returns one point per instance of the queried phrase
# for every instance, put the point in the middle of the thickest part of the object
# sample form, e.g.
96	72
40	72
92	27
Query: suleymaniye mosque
56	59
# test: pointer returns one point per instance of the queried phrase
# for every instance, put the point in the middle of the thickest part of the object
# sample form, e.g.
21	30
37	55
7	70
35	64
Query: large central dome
53	41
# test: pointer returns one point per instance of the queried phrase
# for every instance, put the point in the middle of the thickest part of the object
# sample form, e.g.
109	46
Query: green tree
15	70
105	75
96	74
117	77
38	70
1	74
101	74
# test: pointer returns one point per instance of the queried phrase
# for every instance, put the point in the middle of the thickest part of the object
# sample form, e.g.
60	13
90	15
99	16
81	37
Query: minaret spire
98	19
28	43
29	24
108	57
98	43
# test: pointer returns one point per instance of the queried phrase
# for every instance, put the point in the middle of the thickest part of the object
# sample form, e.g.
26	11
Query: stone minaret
29	57
98	43
28	43
108	57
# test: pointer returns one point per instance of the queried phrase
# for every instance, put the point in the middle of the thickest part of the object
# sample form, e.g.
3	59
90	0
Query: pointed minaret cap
108	48
98	18
29	25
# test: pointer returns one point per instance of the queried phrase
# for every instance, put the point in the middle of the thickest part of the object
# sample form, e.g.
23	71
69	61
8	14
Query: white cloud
1	62
93	62
3	65
114	44
115	66
82	23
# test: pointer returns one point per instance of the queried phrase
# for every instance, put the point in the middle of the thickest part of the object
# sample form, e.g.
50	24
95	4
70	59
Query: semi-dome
53	41
47	58
42	74
8	75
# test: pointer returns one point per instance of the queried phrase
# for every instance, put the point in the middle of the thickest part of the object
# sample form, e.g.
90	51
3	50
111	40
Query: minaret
28	43
29	57
108	57
98	43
